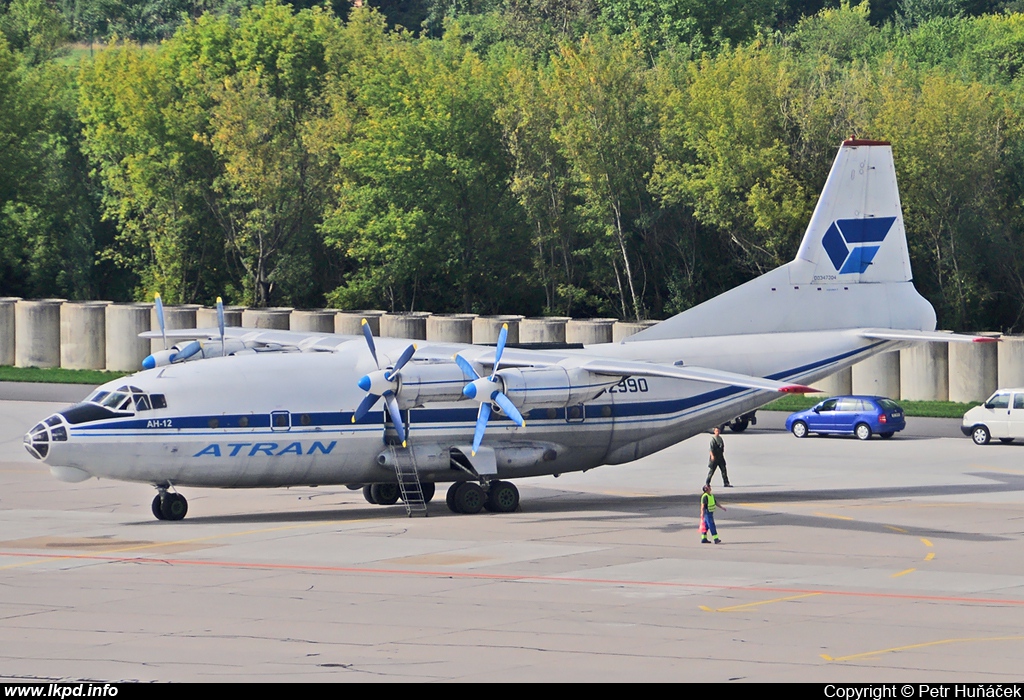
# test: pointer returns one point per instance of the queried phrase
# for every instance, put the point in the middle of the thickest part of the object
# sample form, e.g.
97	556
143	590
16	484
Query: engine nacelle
553	387
430	382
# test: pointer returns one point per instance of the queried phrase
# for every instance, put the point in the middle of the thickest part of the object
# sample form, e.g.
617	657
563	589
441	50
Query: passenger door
846	414
998	408
823	420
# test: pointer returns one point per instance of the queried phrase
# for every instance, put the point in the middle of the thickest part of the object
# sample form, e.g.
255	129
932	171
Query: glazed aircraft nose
37	440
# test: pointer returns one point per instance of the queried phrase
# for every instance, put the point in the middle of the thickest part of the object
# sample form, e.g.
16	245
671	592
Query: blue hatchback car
850	415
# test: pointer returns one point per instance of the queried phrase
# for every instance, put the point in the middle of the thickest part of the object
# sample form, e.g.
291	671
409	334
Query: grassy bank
914	409
57	376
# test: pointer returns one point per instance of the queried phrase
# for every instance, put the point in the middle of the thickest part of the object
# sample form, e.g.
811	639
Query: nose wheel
169	506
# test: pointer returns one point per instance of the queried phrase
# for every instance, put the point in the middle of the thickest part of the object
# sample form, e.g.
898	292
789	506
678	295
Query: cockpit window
116	401
141	402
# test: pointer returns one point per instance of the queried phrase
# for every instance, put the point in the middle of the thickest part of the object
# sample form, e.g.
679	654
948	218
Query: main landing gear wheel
173	506
980	435
158	512
467	498
428	491
862	431
384	494
800	429
502	497
368	494
739	425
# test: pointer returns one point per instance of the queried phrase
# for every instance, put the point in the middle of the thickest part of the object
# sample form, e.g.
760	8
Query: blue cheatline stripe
341	421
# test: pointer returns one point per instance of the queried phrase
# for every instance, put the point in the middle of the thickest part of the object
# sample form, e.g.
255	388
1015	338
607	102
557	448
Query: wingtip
799	389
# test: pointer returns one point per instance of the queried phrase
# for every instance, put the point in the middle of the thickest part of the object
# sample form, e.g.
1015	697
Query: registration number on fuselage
159	423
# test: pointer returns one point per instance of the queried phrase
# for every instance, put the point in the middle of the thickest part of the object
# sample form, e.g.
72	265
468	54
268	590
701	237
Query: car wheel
980	435
1006	441
862	431
800	429
887	434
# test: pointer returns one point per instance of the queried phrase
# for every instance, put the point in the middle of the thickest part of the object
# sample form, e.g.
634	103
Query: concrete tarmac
842	561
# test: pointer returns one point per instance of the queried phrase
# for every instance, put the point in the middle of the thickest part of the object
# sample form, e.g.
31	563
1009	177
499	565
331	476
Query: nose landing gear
169	506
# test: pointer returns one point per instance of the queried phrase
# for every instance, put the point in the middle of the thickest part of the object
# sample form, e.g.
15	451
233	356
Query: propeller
160	317
488	389
220	322
382	383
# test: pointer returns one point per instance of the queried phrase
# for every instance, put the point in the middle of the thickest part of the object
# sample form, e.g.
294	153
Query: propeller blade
188	351
220	322
160	317
466	367
502	337
481	425
406	356
509	408
364	407
396	416
368	334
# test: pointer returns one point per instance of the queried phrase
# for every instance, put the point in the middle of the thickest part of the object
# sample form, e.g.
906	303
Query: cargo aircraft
243	408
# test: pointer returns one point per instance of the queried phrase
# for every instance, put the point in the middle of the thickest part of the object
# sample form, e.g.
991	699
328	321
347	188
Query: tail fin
852	269
856	233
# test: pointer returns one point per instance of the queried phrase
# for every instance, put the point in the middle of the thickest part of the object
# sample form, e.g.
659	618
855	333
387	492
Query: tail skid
852	269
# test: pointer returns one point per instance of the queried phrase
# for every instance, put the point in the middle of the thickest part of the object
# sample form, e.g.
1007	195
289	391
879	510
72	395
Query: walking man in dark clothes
717	457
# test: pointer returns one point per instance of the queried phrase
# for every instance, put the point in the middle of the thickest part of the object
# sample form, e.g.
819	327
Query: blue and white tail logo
851	244
856	232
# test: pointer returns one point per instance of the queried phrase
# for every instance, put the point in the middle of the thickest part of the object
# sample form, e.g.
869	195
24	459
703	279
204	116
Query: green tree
422	207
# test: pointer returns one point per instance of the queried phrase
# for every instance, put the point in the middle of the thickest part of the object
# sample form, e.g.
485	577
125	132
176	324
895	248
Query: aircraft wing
296	339
625	368
923	336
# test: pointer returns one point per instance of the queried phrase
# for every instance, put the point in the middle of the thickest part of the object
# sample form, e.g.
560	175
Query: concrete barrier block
924	372
543	329
350	322
838	384
878	376
313	320
7	325
973	371
37	333
124	348
589	331
412	325
1010	355
83	334
487	328
623	329
276	318
450	328
206	317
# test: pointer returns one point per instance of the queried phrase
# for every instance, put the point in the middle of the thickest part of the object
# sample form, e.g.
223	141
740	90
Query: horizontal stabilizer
625	368
923	336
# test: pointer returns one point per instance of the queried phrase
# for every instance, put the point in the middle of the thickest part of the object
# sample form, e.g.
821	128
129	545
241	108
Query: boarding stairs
409	484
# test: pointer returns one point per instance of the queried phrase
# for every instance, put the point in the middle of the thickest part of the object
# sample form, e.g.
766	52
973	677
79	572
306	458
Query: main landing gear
169	506
388	494
470	498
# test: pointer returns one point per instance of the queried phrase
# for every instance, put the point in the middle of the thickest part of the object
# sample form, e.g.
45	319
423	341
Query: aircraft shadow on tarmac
633	507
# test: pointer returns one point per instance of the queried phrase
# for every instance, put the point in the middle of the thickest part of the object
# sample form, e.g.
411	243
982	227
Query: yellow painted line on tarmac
891	650
895	529
927	542
903	573
733	608
836	517
192	540
929	556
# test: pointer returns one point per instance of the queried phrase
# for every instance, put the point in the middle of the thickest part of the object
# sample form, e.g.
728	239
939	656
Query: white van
1002	416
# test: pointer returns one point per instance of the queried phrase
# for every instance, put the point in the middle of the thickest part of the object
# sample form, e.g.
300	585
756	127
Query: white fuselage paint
197	441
